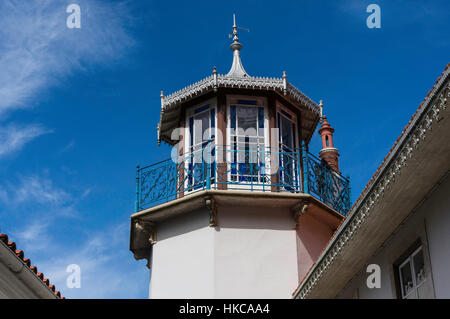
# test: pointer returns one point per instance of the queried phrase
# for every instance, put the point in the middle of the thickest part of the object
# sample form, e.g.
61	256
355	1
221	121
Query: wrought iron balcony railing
254	169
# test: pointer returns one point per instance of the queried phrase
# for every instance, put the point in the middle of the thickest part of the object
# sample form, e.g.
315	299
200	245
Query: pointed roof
237	69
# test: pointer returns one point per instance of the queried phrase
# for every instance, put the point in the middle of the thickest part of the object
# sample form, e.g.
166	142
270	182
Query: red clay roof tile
19	253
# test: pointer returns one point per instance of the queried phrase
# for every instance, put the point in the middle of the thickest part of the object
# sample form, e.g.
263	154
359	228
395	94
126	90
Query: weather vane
235	28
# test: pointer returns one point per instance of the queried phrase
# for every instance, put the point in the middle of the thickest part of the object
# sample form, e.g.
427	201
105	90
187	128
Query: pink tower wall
312	237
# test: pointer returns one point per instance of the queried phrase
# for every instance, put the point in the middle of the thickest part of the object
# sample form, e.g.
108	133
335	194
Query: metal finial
321	110
215	79
237	69
162	99
235	34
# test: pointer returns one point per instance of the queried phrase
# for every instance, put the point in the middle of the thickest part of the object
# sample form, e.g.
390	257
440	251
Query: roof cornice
224	81
173	101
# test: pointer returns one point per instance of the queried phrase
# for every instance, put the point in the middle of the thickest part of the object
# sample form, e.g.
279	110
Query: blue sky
79	108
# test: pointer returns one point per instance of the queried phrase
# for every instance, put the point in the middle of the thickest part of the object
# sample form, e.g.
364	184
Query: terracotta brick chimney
328	153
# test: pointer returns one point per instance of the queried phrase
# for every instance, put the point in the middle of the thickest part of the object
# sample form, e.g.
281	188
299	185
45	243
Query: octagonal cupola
235	131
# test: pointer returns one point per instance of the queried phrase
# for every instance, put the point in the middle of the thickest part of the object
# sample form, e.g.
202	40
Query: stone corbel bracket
211	204
147	228
299	209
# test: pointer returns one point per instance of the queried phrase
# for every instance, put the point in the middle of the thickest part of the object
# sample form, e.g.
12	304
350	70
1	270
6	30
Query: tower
242	209
328	153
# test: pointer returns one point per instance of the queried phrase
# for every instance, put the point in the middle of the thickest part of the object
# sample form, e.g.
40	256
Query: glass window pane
293	136
247	120
260	121
233	119
406	278
213	122
191	131
424	291
201	124
279	125
419	268
286	133
412	296
202	109
247	102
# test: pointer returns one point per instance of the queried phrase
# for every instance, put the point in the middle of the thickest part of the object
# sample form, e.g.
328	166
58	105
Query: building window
288	148
248	142
411	272
200	132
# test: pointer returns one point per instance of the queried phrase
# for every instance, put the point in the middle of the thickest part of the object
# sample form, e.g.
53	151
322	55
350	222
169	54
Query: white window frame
293	120
260	102
189	113
416	285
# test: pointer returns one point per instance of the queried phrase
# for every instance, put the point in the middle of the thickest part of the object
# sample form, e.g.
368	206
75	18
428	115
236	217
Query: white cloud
13	138
39	190
108	269
33	237
33	231
107	266
37	50
39	198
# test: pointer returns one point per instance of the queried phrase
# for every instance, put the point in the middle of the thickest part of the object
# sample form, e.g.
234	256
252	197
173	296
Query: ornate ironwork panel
260	169
326	184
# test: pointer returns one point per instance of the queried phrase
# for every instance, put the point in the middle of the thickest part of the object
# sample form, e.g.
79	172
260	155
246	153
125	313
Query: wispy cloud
33	236
67	148
40	198
13	138
37	50
107	267
41	191
101	275
38	191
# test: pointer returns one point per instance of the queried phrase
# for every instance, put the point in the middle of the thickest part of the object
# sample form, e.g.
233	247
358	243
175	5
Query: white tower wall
251	254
